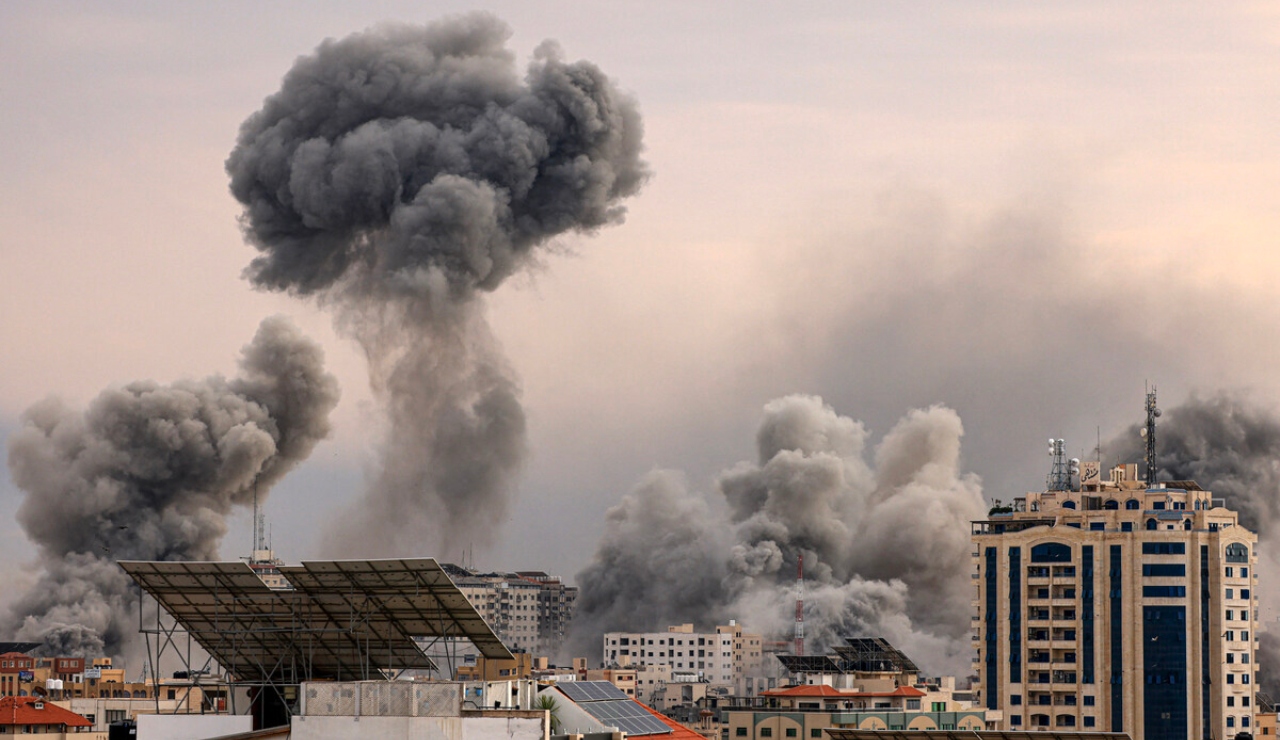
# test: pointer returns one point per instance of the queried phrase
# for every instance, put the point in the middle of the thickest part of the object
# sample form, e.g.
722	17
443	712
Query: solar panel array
343	620
611	707
580	691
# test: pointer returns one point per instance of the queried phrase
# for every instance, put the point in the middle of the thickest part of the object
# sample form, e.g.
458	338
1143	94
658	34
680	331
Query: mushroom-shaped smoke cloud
397	174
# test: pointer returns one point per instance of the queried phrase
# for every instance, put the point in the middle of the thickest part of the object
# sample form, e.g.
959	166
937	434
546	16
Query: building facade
529	611
1118	606
804	712
726	657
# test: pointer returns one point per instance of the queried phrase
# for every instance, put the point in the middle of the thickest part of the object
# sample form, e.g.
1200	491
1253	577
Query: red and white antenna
800	607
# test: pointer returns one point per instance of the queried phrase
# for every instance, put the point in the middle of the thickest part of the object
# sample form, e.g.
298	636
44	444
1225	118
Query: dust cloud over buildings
151	472
883	530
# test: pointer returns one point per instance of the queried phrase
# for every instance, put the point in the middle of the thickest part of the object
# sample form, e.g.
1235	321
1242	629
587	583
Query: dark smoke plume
1230	446
885	543
397	174
150	472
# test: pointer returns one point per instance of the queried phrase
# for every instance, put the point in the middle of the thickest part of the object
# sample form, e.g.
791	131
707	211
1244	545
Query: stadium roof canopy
341	620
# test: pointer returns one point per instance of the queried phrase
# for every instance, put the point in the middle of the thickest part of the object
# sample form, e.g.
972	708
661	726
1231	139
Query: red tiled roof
21	710
678	731
824	691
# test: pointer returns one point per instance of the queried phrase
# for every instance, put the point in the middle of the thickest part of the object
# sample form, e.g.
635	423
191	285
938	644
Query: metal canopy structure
809	663
341	620
874	655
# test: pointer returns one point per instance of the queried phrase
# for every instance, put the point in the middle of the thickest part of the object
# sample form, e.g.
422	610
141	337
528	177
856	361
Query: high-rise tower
1121	605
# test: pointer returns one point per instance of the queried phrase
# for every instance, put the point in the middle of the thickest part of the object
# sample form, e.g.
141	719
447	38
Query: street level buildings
1117	605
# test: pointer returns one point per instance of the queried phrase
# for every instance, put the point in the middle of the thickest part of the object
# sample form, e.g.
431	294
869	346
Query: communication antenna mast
1149	432
800	606
257	523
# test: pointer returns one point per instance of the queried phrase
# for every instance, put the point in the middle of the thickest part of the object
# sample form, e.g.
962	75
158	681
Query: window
766	732
1231	701
1097	526
1174	570
1126	526
1244	572
740	732
1230	574
1015	719
1088	700
1230	635
1167	592
1231	594
1151	524
913	704
815	732
1014	699
1230	615
791	732
1164	548
1237	553
1231	657
1131	504
1231	721
1051	552
1231	678
1244	593
1090	721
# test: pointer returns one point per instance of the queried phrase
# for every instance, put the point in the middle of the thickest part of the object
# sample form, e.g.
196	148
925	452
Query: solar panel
342	620
626	715
584	691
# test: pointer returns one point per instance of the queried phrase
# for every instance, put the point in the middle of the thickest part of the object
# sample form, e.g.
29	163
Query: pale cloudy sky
1021	210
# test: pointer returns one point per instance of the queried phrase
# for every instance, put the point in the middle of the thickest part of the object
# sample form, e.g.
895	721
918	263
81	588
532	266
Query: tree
548	702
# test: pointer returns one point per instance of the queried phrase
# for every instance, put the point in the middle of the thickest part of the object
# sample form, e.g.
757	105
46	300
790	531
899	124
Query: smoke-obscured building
1117	605
726	657
529	611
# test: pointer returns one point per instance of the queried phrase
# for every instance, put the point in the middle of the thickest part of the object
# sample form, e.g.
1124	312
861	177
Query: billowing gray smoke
1230	446
885	543
151	472
395	175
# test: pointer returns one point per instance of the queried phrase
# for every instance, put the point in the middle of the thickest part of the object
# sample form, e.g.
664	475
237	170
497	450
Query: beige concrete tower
1117	605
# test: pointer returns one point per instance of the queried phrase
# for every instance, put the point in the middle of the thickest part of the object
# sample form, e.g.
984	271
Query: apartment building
530	611
1119	605
726	657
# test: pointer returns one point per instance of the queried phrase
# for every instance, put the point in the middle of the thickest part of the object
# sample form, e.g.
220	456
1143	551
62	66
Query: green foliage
548	703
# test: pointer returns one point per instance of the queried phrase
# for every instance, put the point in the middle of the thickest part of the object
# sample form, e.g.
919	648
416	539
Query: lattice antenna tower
1149	433
799	647
1061	469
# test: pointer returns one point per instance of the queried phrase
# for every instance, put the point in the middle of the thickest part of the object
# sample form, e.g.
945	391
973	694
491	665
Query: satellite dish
1157	412
1142	432
1075	461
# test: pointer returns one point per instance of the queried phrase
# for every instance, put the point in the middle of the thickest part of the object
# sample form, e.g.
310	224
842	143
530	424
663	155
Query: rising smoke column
1230	446
885	545
150	472
397	174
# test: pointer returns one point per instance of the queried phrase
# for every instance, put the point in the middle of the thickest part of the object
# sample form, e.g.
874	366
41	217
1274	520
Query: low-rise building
727	657
803	712
29	715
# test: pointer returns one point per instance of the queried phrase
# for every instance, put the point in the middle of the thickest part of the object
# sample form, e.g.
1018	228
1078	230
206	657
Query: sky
1025	212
